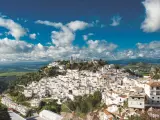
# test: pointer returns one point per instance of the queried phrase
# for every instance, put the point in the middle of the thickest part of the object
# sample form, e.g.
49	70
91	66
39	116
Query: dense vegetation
3	86
4	113
155	73
88	65
51	71
15	87
133	73
83	105
80	105
28	78
50	105
140	67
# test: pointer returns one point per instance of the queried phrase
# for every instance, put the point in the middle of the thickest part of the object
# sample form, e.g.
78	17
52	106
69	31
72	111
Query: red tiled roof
154	83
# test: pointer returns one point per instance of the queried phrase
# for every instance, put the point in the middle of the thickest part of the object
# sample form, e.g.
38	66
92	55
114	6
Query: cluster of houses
117	87
74	83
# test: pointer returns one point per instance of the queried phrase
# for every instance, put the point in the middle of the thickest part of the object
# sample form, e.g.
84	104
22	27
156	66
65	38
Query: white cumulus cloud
66	33
32	36
15	29
64	37
154	45
48	23
152	20
8	46
101	46
62	46
77	25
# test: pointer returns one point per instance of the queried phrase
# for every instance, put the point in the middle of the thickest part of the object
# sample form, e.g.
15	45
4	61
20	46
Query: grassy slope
12	73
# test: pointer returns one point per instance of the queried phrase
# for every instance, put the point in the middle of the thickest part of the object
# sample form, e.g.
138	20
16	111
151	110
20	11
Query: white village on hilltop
116	86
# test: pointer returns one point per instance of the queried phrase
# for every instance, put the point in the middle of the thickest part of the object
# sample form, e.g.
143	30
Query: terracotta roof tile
154	83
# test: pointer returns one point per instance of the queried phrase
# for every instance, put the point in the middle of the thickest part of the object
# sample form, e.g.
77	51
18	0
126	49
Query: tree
101	62
85	104
20	98
155	73
117	66
96	98
3	86
50	105
84	107
4	113
72	105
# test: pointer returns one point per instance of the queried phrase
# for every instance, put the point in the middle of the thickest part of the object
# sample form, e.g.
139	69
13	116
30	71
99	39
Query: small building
49	115
35	102
28	93
112	108
12	105
15	116
136	101
152	90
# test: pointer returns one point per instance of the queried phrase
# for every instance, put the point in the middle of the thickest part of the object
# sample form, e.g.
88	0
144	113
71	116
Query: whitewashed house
136	101
152	90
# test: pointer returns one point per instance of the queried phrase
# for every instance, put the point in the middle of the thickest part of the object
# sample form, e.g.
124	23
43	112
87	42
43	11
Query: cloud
115	21
85	37
64	37
21	19
66	34
154	45
13	50
15	29
97	24
97	49
25	21
8	46
77	25
48	43
101	46
146	50
152	20
48	23
62	46
32	36
3	16
90	34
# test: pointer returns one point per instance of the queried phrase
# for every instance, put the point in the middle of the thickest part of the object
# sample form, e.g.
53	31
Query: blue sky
55	29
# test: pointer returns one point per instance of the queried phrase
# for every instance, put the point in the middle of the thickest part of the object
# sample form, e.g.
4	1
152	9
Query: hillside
140	67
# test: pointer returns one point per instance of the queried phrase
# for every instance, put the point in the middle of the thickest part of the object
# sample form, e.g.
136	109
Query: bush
4	113
50	105
85	104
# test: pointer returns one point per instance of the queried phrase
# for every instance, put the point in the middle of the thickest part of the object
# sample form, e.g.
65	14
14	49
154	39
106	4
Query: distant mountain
127	61
22	66
34	66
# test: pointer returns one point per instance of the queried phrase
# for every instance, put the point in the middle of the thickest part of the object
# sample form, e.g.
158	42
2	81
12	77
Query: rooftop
15	116
154	83
141	95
